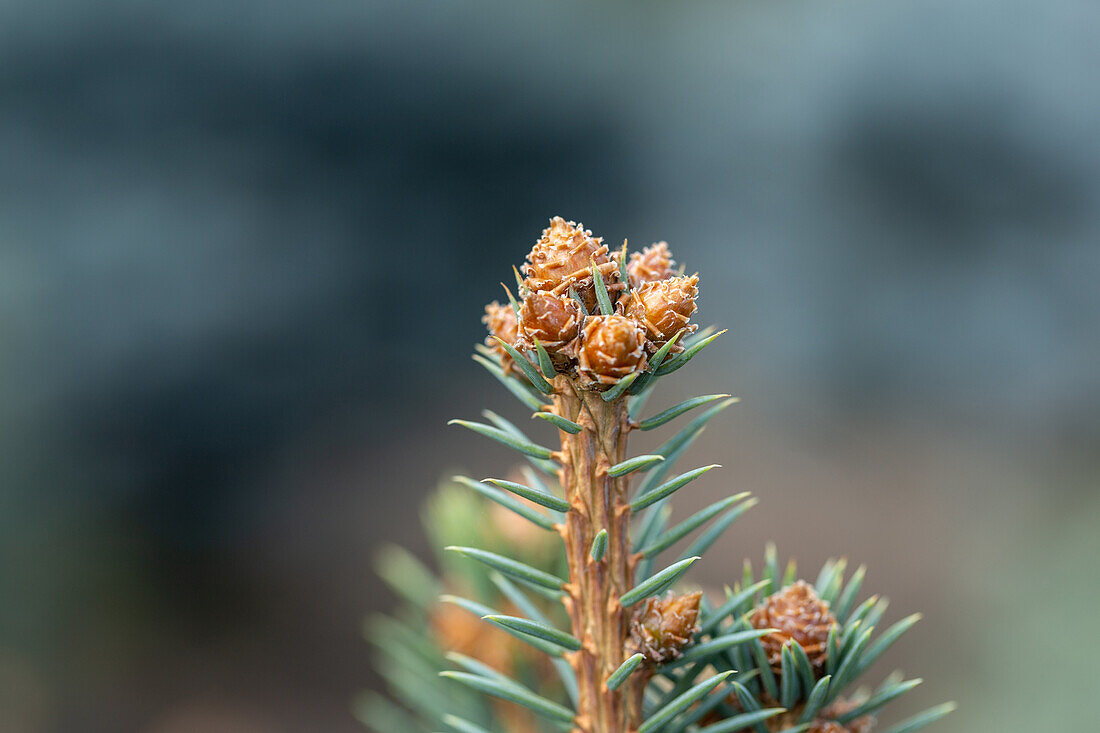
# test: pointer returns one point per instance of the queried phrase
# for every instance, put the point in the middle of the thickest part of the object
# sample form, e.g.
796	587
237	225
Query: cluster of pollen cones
648	303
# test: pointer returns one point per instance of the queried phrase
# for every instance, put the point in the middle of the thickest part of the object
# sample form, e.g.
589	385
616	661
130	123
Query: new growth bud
562	259
650	265
666	306
502	323
554	320
611	348
796	613
662	627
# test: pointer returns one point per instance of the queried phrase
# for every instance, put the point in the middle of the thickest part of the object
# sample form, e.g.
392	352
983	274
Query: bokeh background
244	248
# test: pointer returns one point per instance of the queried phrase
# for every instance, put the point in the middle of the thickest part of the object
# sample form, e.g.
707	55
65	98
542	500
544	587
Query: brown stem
597	502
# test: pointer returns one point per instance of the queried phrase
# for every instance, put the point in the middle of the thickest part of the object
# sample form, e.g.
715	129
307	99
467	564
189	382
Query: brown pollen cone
662	627
666	306
502	323
650	265
563	257
611	348
797	613
554	320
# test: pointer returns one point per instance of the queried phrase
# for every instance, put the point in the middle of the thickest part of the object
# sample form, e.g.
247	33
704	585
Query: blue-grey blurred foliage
244	246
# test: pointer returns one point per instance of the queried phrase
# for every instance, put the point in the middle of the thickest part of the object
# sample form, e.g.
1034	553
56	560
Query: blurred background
244	248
